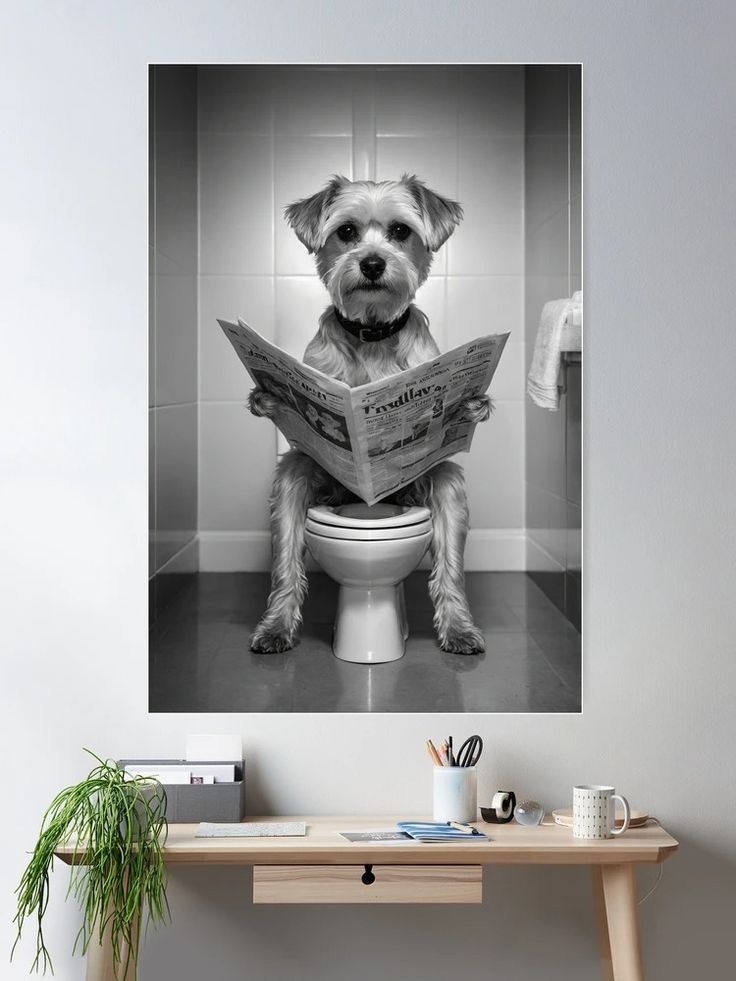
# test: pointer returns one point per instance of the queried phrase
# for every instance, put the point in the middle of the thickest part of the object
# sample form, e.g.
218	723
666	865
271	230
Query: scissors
469	752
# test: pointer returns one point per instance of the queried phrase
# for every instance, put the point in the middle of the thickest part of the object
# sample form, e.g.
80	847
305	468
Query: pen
450	757
461	827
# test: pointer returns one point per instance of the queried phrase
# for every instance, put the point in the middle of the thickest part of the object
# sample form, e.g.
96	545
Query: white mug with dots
594	812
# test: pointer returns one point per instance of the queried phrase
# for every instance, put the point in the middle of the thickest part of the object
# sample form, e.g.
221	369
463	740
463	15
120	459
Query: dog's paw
463	641
271	641
476	409
262	403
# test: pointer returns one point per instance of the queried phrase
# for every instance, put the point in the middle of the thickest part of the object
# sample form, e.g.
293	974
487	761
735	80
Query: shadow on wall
521	913
539	921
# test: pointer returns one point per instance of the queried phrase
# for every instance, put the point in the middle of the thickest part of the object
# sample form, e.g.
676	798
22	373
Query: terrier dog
374	244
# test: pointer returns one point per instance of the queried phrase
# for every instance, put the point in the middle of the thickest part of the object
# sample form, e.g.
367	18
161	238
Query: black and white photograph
393	635
366	220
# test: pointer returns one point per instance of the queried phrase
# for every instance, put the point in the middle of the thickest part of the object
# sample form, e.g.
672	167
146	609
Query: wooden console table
325	868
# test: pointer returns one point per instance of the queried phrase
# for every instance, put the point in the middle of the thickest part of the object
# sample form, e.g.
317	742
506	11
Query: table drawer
367	884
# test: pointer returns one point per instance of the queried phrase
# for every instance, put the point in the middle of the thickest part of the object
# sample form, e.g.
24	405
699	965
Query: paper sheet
254	829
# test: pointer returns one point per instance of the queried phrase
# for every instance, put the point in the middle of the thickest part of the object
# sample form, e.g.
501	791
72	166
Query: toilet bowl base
370	627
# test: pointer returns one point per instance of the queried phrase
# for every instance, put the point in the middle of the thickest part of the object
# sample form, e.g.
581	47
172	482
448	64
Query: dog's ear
440	215
306	217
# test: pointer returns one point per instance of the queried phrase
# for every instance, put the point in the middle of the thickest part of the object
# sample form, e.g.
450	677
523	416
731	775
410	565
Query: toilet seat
374	518
368	534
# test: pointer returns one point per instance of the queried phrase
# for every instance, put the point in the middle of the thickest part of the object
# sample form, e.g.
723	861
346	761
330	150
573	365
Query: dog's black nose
372	267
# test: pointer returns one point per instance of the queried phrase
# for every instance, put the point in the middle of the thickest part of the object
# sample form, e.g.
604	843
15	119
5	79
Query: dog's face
373	241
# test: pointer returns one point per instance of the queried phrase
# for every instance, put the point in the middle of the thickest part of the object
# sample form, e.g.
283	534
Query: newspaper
375	438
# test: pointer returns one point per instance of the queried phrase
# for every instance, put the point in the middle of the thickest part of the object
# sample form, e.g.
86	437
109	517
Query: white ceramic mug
455	796
594	812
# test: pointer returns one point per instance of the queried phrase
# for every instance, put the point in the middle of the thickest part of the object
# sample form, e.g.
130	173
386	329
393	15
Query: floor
200	661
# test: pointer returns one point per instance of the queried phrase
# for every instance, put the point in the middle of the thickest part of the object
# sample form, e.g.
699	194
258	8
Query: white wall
660	619
173	380
270	135
553	261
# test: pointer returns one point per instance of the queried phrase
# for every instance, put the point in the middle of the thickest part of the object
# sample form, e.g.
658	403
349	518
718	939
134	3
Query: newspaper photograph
375	438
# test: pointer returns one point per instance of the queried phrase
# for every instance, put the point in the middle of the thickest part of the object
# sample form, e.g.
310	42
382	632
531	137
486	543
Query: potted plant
116	825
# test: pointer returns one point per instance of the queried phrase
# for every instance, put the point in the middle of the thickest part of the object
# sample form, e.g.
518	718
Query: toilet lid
369	534
369	517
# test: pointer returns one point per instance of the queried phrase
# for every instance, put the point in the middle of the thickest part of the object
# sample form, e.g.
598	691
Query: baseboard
234	551
184	559
495	550
538	557
487	550
173	576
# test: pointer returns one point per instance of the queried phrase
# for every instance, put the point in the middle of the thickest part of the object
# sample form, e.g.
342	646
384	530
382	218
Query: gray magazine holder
190	804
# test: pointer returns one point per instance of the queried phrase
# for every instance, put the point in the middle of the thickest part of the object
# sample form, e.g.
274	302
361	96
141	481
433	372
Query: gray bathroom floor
200	661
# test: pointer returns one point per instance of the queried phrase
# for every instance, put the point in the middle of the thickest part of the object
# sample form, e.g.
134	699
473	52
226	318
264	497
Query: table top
510	844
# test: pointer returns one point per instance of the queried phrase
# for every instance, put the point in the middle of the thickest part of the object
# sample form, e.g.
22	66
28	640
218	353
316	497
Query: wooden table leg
100	961
619	896
604	943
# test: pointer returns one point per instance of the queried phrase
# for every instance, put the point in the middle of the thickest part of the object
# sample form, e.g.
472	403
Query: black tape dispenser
502	807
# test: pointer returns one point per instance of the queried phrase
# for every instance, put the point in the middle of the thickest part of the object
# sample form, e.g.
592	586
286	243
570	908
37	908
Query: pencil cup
455	795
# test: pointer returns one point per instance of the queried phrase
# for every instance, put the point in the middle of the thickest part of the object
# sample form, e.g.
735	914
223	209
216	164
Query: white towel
541	383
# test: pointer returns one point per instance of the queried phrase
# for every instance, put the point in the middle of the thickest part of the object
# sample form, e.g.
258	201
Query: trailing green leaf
116	825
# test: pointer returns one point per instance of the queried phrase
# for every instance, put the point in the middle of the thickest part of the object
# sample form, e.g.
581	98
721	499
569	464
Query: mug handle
627	815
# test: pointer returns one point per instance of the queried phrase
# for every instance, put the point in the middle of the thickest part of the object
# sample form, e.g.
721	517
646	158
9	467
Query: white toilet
369	551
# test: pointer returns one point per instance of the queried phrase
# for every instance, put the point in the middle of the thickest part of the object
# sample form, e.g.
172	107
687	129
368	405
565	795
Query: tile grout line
153	326
273	283
199	320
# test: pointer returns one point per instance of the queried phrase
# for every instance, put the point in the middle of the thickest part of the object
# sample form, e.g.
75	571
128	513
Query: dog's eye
399	231
346	233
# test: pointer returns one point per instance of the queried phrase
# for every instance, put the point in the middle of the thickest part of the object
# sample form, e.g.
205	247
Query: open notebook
435	831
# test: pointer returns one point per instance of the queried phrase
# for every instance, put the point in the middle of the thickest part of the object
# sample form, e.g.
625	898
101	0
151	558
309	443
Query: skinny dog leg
452	619
294	491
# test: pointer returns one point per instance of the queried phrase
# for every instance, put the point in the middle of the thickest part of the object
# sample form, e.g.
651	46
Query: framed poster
365	220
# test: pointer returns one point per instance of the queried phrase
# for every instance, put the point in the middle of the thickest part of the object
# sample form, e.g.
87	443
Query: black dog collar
372	332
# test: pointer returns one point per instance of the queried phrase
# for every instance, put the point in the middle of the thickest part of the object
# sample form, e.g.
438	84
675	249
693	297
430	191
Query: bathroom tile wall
268	135
553	270
173	355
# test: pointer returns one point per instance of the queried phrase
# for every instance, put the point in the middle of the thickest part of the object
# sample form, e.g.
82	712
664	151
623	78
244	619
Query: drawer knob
368	878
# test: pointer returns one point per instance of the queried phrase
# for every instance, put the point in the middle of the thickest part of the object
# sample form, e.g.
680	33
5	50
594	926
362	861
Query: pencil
433	753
